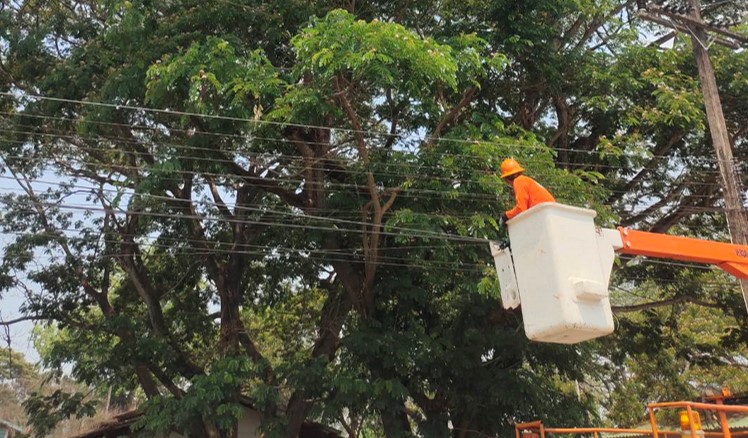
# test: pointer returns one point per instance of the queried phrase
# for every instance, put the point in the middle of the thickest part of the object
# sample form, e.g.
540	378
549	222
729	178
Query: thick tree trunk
298	409
334	314
396	424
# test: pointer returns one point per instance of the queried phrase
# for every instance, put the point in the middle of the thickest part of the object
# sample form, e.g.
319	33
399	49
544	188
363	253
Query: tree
241	204
49	402
207	218
15	377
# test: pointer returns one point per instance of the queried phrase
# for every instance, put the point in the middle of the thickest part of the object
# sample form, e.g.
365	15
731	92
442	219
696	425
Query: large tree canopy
286	203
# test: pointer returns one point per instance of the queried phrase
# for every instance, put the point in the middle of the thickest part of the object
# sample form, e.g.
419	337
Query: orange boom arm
729	257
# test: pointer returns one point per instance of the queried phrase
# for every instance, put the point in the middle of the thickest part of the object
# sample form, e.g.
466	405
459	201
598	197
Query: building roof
116	426
119	425
9	425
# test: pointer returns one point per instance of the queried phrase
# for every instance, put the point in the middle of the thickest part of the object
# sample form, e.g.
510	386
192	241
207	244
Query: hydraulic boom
727	256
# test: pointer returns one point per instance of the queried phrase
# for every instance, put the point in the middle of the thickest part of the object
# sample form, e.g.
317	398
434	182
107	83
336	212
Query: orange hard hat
509	167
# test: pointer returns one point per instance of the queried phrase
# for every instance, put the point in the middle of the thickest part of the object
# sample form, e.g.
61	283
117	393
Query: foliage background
285	203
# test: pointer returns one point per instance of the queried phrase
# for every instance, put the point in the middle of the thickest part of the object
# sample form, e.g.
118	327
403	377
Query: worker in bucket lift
527	191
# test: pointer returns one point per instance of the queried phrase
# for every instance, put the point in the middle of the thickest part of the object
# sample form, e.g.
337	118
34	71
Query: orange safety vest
528	194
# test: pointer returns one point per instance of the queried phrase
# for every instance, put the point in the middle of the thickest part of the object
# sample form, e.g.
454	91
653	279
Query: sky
21	334
10	302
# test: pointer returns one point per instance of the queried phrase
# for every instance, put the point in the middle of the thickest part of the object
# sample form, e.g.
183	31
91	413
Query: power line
322	255
329	185
313	143
274	123
248	208
452	180
414	166
416	233
91	189
447	236
266	210
276	252
261	210
331	159
486	196
183	113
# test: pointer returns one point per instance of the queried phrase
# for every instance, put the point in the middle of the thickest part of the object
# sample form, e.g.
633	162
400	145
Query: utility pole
689	19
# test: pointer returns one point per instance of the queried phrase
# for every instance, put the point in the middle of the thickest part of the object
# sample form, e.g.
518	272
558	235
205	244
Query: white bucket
562	265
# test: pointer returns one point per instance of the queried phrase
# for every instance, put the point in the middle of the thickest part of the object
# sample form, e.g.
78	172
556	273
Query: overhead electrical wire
329	186
325	159
166	111
289	180
465	267
91	190
321	256
339	170
276	156
263	210
416	233
187	132
258	121
213	203
324	254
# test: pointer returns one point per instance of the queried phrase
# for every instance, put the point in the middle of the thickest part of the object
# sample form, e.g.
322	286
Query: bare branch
452	115
742	130
663	39
265	184
682	28
341	97
705	196
218	200
393	195
657	154
693	22
350	429
675	192
21	319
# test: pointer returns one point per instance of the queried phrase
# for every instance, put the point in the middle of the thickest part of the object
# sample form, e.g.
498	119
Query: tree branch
657	205
358	133
663	303
61	239
218	200
227	282
662	149
21	319
703	197
452	115
145	378
132	263
265	184
599	21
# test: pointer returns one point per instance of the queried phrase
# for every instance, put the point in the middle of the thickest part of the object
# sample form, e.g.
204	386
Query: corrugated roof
10	425
119	425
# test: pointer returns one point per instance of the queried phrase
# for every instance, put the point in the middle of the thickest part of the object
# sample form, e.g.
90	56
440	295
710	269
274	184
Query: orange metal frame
727	256
654	431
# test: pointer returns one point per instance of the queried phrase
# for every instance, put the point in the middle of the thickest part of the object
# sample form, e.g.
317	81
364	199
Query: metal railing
528	430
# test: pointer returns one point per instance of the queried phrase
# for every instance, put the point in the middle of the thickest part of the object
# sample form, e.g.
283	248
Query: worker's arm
522	197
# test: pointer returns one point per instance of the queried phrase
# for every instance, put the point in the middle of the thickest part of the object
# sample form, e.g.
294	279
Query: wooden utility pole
737	222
